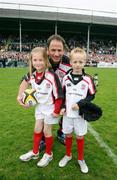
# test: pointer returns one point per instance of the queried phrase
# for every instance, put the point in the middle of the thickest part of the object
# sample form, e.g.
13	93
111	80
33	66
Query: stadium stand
22	30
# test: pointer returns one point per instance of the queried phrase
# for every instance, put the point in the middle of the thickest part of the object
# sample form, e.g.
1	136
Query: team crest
47	85
83	86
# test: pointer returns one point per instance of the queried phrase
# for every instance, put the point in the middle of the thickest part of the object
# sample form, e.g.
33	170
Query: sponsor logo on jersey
74	89
68	84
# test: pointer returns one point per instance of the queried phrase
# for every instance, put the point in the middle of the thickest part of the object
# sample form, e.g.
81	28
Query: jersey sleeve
58	94
58	104
57	88
26	77
90	93
91	89
64	92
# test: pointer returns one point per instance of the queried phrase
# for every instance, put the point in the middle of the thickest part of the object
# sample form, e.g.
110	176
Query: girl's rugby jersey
48	87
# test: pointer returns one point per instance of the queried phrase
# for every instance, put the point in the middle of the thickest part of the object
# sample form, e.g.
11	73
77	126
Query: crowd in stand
99	50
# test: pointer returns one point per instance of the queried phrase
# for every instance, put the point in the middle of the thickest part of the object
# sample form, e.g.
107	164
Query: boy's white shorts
78	125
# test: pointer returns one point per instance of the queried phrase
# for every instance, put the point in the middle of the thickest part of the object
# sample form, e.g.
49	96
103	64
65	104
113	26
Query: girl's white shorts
47	119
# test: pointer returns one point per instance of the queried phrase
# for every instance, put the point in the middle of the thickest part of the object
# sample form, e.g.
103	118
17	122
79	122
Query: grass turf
16	134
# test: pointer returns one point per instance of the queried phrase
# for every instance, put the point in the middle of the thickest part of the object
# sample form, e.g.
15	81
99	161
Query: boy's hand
62	112
75	107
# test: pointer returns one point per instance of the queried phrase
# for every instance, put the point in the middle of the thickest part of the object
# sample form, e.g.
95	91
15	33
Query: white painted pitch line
103	144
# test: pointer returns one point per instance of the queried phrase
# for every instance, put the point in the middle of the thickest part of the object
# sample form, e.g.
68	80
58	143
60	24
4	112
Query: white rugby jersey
62	68
76	92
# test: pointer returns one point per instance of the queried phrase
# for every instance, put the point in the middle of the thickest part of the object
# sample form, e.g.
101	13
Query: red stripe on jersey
48	80
66	79
63	88
62	70
93	89
86	81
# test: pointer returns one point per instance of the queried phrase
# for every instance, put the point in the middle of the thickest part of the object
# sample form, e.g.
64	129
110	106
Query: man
56	48
60	64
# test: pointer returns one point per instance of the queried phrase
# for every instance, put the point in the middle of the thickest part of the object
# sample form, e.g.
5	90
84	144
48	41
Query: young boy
77	87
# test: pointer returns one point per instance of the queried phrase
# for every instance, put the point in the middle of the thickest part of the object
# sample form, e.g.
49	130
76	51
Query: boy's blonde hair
79	51
45	56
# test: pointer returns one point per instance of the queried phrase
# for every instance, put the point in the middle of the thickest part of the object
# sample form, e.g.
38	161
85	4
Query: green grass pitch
16	134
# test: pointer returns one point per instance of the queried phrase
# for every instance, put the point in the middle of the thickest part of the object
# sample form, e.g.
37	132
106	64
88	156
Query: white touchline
102	144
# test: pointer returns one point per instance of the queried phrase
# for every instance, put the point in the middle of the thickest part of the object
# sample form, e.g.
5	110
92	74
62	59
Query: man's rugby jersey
48	89
61	68
76	92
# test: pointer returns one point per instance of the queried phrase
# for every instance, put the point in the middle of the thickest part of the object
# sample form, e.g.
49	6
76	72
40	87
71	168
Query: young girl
49	90
78	87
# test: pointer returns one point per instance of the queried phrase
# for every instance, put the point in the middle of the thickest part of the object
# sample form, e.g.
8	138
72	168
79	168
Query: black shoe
42	145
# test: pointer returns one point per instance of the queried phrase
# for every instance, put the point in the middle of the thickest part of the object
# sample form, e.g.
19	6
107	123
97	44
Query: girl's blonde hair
45	56
79	51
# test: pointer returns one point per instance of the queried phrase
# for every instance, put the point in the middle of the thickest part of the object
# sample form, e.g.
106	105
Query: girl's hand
75	107
55	115
19	100
62	112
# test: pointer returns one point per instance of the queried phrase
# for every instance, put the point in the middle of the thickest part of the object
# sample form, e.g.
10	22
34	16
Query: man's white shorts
78	125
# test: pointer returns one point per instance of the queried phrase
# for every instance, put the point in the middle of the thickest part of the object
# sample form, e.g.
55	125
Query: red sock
80	148
49	144
68	144
37	138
